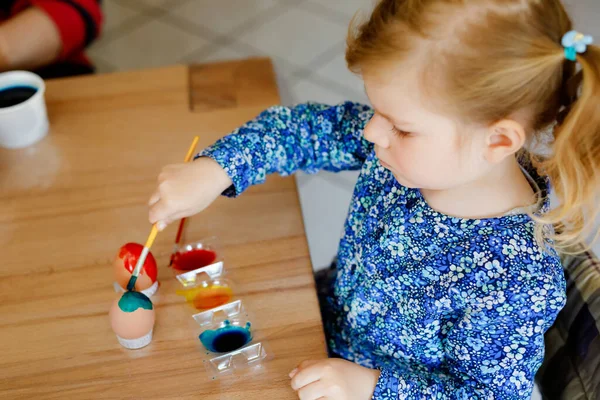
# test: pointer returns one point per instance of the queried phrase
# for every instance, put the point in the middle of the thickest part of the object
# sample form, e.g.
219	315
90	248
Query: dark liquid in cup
11	96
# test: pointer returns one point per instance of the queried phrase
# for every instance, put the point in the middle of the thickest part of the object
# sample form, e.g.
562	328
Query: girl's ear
505	138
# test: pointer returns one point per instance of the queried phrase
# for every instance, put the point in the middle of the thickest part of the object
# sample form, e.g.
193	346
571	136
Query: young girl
446	282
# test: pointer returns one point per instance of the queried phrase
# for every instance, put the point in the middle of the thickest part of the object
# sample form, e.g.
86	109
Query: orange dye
207	297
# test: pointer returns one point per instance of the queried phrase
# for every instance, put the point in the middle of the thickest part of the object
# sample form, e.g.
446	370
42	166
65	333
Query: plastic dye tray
224	329
205	288
244	358
194	277
208	294
226	336
213	317
195	255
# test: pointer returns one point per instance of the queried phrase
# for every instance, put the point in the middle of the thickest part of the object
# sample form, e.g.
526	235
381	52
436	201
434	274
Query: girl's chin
404	182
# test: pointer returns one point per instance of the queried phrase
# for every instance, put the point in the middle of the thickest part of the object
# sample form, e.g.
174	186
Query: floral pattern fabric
446	308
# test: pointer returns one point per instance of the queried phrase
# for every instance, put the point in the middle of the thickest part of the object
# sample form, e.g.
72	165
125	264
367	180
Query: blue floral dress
446	308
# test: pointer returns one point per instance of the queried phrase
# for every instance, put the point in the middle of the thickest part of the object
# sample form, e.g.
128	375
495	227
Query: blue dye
227	338
131	301
13	95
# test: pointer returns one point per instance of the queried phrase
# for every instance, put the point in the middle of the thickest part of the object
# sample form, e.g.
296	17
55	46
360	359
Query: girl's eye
400	132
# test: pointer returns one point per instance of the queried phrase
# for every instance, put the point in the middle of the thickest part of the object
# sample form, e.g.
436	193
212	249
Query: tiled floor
305	38
307	50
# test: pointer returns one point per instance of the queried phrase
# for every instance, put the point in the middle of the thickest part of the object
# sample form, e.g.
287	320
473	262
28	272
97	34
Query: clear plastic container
247	357
208	294
224	329
225	335
196	255
205	288
209	318
194	277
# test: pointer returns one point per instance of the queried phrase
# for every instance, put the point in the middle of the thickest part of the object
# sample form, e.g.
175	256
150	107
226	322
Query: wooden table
68	203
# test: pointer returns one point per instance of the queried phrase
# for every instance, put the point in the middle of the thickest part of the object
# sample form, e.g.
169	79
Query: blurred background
305	39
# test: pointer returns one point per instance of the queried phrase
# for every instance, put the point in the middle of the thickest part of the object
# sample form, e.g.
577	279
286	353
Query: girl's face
421	148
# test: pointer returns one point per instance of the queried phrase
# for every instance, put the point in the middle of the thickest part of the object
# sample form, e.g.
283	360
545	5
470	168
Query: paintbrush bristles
138	268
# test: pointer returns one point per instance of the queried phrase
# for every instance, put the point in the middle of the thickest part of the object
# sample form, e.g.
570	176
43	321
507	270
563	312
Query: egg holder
210	244
223	320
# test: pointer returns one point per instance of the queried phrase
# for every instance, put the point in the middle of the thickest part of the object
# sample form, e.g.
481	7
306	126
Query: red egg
124	265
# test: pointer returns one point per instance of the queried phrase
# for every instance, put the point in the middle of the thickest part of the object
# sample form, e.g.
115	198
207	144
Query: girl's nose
378	132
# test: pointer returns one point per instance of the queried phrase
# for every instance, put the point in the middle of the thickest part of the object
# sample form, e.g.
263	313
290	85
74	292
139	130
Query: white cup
25	123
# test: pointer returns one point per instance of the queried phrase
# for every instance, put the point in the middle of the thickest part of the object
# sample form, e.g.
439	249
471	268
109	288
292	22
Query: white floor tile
345	7
345	179
307	90
222	54
359	98
236	51
102	67
324	207
337	71
115	14
323	90
297	36
221	16
159	3
585	15
151	45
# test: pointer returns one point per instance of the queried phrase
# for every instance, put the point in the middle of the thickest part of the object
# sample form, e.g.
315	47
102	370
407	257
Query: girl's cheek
398	155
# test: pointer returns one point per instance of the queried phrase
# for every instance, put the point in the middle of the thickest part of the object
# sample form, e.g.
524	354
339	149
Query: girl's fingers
159	212
313	391
302	365
154	198
162	224
308	372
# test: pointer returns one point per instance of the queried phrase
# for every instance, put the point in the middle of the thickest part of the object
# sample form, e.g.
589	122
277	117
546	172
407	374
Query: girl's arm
496	348
308	137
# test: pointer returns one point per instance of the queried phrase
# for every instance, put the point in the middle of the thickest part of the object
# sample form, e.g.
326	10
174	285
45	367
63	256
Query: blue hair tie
575	42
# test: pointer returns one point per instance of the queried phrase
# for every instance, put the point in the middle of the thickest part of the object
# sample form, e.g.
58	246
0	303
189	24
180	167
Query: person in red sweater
48	36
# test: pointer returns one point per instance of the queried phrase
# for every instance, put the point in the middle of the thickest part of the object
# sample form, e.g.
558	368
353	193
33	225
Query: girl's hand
186	189
333	379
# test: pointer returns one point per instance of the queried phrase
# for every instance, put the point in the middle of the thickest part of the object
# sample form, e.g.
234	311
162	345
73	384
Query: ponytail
574	167
494	59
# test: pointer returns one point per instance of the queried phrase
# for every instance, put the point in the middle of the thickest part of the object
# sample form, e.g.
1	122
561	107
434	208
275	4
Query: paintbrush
154	232
182	222
177	241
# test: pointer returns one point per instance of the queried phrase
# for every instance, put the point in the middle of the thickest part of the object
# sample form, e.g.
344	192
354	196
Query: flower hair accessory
575	42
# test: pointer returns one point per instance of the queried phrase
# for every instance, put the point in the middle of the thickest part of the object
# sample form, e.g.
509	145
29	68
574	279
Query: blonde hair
488	60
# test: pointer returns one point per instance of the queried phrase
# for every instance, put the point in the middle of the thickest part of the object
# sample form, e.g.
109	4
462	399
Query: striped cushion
571	368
